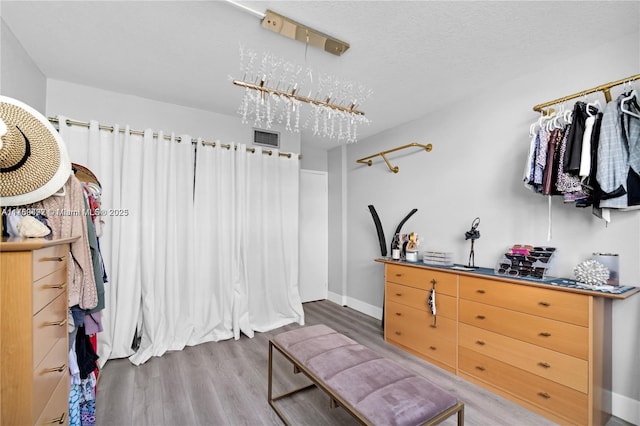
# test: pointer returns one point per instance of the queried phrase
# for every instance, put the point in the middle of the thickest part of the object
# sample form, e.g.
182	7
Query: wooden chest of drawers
34	341
540	346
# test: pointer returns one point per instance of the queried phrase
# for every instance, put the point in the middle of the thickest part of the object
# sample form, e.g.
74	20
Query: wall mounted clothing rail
293	95
69	122
383	154
602	88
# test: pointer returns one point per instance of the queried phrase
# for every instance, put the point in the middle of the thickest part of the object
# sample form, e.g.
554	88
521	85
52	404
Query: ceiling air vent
264	138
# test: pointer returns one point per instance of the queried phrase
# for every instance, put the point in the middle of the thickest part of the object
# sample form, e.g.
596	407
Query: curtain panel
204	246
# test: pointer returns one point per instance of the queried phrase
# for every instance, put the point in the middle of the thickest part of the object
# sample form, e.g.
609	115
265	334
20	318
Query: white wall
85	103
20	78
475	169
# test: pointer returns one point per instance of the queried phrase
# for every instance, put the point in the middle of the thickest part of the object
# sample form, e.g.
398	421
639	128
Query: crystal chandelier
274	94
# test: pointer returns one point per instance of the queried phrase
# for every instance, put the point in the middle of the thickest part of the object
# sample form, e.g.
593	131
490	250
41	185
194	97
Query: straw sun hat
34	163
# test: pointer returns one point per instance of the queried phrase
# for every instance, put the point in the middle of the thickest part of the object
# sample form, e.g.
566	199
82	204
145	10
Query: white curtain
190	263
247	205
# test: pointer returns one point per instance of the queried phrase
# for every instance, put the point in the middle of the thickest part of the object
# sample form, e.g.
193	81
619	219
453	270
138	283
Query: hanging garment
631	138
573	151
541	158
613	159
85	354
565	183
66	219
585	157
550	172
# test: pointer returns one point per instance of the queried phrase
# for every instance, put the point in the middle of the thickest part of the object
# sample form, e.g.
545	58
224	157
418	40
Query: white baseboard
337	298
626	408
358	305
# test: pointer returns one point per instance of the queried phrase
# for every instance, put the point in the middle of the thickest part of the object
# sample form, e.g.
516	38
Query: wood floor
225	383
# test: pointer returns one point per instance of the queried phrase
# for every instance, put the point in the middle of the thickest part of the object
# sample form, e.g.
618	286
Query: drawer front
423	278
48	288
563	369
49	259
446	306
49	326
56	411
554	304
559	336
47	375
414	329
551	396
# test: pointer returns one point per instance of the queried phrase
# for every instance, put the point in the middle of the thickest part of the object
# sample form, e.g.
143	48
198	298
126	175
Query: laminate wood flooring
225	383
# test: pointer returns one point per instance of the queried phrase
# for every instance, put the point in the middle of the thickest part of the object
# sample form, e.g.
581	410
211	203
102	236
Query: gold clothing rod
602	88
383	154
293	95
69	122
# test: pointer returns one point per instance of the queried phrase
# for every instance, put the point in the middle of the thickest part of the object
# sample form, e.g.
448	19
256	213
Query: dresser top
561	284
28	244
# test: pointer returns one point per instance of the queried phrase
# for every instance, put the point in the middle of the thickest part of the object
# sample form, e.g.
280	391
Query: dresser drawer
546	394
559	336
49	259
56	410
559	305
563	369
423	278
415	329
48	288
49	326
48	373
446	306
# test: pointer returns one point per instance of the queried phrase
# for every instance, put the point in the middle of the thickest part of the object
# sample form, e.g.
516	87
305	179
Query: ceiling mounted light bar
289	28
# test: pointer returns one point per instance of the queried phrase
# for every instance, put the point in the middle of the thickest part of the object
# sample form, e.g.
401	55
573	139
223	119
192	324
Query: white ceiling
414	55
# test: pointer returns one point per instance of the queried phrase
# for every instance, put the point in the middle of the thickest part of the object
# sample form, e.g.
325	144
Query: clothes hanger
631	96
595	104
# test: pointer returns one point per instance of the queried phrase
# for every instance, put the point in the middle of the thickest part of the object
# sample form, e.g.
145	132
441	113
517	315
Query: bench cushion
381	390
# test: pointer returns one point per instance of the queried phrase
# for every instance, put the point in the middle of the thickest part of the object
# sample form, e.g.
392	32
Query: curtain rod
602	88
69	122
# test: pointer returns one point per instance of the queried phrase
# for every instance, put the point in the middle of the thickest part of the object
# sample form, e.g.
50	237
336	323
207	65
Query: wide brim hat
34	163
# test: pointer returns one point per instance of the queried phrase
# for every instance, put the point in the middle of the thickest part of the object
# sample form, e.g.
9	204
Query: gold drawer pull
399	314
58	420
398	275
53	259
398	294
544	395
433	348
56	369
480	342
481	291
480	368
544	334
398	333
433	281
545	304
57	286
480	317
544	364
56	323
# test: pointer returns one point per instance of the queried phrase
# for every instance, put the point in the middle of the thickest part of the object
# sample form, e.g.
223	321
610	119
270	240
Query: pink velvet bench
373	389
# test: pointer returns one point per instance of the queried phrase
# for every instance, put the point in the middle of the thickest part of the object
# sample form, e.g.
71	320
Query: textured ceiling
415	55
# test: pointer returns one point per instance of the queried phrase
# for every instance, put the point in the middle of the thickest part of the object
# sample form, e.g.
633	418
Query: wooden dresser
34	349
540	346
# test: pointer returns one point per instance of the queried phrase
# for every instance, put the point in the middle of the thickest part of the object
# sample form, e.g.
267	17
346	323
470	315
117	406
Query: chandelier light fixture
276	90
